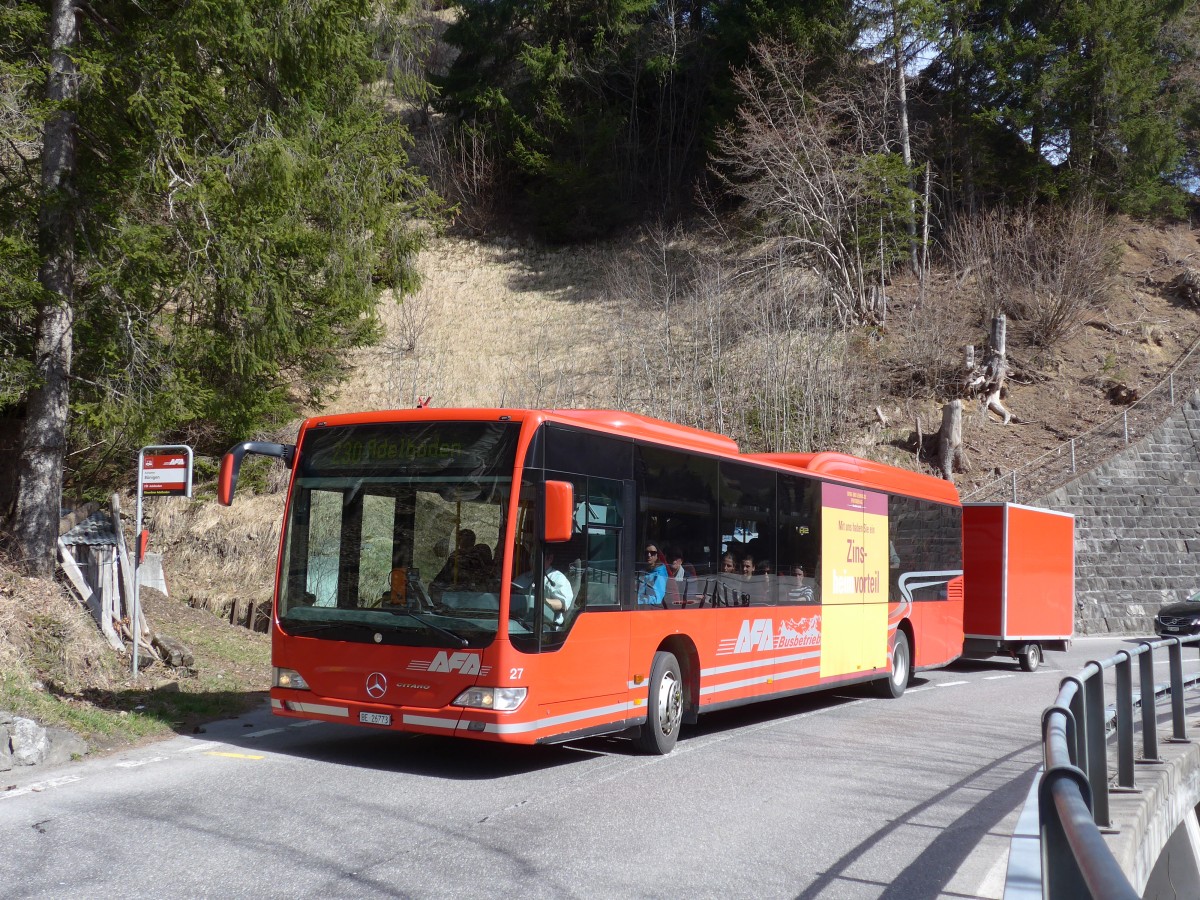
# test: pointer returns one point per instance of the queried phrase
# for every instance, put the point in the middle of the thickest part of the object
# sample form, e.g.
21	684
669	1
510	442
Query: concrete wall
1137	528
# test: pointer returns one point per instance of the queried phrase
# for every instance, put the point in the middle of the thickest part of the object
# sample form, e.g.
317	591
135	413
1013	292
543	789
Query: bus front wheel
664	714
900	668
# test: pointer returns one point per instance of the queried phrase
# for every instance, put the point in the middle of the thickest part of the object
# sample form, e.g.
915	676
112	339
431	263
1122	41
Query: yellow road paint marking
233	755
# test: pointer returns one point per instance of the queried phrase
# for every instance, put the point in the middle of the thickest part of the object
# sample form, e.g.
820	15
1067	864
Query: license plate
1170	628
375	718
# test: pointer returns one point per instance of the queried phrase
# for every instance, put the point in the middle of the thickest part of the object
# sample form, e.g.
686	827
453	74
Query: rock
64	746
6	761
28	740
174	653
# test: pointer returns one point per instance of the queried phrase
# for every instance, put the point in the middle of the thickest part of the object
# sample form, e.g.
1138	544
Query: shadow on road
929	873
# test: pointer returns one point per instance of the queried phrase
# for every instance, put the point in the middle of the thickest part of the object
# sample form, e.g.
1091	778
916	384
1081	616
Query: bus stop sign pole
163	471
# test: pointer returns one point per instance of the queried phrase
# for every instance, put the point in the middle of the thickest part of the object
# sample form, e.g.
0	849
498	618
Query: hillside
505	323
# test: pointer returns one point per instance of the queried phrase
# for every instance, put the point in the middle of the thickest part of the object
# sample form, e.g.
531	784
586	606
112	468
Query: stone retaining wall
1137	528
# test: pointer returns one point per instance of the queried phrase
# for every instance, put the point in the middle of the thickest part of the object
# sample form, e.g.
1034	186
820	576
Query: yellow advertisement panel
854	580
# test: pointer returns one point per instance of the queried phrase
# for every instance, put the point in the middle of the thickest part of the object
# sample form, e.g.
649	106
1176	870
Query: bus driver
556	590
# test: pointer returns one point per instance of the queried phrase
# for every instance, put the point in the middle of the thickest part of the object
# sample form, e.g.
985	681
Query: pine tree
238	201
1073	96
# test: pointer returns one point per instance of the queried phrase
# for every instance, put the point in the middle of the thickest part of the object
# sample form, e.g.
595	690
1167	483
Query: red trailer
1019	581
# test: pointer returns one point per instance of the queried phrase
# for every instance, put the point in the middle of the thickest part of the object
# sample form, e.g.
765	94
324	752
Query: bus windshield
395	533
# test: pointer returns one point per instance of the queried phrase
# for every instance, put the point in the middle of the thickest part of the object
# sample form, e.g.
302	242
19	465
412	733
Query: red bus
535	576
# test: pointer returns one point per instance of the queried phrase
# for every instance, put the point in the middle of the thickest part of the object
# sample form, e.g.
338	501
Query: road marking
992	884
234	755
305	723
951	683
995	677
134	763
207	745
38	786
265	731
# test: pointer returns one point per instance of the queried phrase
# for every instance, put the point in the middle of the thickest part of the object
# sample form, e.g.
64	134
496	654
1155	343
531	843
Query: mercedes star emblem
376	685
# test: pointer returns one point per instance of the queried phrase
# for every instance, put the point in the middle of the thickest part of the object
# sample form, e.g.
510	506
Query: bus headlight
289	678
504	699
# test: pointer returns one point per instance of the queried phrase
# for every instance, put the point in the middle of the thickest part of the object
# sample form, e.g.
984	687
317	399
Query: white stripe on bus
430	722
553	721
759	663
319	709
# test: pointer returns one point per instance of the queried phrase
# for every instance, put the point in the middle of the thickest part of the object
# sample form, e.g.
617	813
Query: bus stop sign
165	472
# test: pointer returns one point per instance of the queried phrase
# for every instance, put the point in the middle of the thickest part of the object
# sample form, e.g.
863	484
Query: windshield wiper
457	638
302	628
313	627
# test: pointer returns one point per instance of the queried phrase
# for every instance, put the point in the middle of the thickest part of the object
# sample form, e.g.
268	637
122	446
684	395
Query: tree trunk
905	144
950	451
43	445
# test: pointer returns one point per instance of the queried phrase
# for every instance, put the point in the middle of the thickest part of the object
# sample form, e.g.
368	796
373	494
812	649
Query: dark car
1179	618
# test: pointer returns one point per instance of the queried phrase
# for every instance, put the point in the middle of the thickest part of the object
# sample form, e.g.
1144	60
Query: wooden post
123	562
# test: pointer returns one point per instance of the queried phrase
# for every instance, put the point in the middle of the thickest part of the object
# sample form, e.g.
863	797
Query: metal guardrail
1073	793
1086	451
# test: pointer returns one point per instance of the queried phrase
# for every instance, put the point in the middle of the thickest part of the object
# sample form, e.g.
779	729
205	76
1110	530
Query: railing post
1076	745
1072	455
1178	719
1172	380
1093	736
1125	776
1149	719
1125	422
1014	485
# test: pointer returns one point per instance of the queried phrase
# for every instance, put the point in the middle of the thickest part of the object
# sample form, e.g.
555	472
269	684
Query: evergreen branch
91	13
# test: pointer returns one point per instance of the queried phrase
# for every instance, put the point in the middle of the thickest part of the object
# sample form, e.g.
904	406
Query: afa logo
463	663
756	634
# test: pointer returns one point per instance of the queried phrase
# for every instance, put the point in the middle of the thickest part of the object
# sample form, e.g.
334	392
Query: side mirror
231	464
559	511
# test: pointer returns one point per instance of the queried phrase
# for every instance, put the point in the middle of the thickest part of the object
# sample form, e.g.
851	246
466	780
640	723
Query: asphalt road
833	795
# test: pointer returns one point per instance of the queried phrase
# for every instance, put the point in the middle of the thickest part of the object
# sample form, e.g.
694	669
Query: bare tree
742	344
1048	270
815	173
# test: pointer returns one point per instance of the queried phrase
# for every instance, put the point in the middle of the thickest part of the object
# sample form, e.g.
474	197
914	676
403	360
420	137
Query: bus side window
603	520
677	510
799	540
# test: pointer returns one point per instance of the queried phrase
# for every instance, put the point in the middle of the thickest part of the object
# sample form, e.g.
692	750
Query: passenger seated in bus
557	595
728	564
458	567
652	585
680	577
746	566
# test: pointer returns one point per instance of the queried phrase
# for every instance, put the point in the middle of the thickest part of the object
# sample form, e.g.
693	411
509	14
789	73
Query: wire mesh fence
1086	451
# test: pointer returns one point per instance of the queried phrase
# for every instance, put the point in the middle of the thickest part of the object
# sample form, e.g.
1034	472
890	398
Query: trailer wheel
900	668
665	713
1030	657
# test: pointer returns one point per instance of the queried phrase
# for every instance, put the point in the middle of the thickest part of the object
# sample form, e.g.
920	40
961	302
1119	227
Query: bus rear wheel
900	668
664	714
